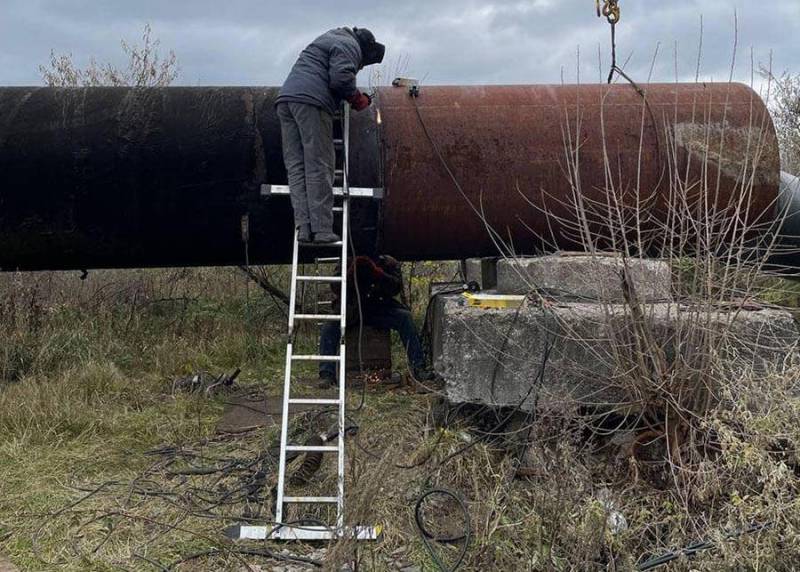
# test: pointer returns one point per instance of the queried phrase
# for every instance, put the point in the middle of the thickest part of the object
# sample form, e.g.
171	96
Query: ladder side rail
293	291
287	386
343	310
284	436
340	444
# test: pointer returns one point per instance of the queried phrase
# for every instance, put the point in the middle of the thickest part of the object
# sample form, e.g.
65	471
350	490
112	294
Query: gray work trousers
309	156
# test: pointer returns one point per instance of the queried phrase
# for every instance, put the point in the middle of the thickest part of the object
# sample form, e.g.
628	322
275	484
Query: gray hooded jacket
325	72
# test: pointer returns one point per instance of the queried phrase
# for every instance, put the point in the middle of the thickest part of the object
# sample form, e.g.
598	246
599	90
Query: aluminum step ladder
281	530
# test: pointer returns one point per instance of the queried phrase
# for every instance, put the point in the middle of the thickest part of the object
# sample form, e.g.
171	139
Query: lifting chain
609	9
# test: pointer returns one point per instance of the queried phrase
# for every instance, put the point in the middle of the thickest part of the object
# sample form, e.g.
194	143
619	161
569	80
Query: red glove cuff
359	101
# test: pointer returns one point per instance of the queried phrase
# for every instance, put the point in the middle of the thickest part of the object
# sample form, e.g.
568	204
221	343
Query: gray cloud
448	41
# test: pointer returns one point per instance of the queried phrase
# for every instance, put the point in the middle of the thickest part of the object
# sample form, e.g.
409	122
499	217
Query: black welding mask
371	51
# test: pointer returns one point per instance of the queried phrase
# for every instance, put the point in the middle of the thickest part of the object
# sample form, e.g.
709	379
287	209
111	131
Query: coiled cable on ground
427	537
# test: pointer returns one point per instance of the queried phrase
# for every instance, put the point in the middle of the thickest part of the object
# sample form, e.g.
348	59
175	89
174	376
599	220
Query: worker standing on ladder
323	76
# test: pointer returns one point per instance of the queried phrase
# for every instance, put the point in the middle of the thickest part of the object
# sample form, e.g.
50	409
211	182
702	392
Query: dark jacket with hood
325	72
377	290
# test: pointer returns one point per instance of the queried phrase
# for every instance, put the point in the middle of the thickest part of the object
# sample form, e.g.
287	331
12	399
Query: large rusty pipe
120	177
510	148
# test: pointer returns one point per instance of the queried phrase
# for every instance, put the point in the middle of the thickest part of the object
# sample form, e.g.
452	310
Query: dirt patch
6	566
247	412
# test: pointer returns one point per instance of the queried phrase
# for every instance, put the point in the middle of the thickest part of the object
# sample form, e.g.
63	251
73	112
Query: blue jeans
385	317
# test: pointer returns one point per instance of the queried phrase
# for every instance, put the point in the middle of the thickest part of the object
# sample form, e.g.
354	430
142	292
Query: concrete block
584	277
493	357
483	271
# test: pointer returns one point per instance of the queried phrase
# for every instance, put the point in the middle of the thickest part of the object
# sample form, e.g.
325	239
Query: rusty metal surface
506	146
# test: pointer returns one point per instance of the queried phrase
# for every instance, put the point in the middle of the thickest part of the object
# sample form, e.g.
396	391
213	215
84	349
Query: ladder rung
330	500
353	192
338	172
313	401
338	209
319	278
320	244
313	448
316	358
338	141
328	317
327	260
302	532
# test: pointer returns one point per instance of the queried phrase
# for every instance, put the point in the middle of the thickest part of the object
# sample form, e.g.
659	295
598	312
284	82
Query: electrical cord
513	410
363	397
427	537
426	337
693	549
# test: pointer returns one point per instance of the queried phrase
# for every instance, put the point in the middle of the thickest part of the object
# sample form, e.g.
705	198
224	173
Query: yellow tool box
494	300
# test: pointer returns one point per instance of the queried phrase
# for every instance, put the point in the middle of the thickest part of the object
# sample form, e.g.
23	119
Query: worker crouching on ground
323	76
379	281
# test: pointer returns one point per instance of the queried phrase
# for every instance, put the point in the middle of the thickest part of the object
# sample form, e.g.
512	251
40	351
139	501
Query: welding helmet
371	51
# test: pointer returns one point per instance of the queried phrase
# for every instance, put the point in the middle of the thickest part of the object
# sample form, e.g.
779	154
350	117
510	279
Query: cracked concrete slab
580	276
493	356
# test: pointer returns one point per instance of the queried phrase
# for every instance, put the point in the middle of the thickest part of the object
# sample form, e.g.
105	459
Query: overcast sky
254	42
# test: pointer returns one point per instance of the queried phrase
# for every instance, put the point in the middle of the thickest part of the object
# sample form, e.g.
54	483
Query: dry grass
91	397
712	451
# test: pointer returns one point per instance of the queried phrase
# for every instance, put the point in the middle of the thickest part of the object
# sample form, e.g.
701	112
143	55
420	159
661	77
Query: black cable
426	332
427	537
502	349
513	410
693	549
361	375
404	467
485	435
153	563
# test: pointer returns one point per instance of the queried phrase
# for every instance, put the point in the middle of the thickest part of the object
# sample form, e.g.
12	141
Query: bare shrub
145	67
785	110
711	449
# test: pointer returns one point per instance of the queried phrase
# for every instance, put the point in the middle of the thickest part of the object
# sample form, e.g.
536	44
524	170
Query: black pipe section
121	177
785	257
789	202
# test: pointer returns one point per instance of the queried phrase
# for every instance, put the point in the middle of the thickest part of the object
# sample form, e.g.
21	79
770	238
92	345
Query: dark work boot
326	381
304	233
424	374
325	237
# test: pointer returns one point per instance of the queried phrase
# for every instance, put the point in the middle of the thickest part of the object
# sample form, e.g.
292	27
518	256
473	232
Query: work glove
366	264
359	101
